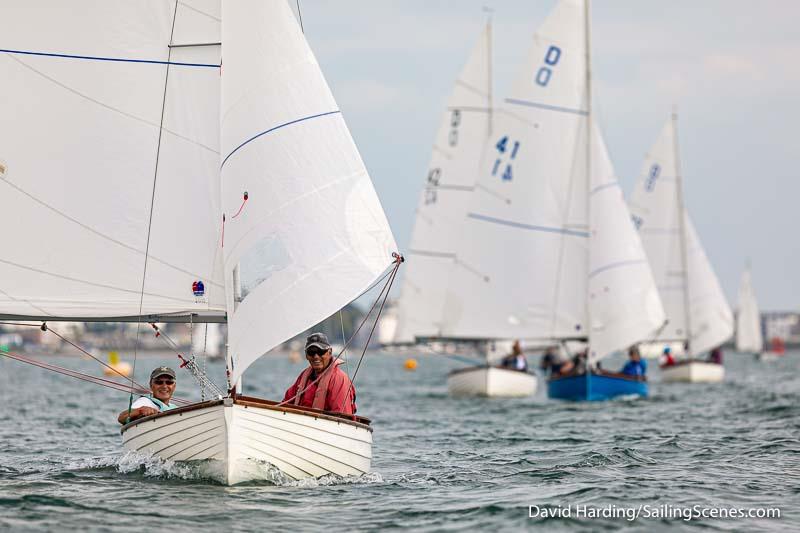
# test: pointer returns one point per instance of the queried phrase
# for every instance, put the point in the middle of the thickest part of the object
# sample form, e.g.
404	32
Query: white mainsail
548	250
85	151
696	307
312	234
442	205
748	320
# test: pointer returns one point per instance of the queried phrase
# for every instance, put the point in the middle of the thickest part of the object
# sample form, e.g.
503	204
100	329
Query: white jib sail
443	203
655	208
83	153
522	255
748	320
711	316
312	234
624	304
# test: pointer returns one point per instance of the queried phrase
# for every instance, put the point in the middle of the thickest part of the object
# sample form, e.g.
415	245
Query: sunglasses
314	351
164	381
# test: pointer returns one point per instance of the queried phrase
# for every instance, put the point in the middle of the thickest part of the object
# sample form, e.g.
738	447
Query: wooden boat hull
491	381
595	387
693	372
237	435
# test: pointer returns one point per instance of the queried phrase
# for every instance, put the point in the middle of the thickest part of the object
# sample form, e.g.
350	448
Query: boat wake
150	466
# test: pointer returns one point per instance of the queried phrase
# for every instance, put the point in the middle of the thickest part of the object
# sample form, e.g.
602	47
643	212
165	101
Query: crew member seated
162	387
636	366
715	356
666	358
515	360
554	362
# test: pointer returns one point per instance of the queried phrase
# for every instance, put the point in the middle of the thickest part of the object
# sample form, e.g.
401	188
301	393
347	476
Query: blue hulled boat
595	387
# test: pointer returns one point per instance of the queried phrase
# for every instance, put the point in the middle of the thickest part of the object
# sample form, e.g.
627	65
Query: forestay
312	234
748	320
84	150
444	200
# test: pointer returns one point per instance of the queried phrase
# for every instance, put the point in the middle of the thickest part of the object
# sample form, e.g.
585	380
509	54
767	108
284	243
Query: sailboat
748	322
151	180
547	251
697	311
442	207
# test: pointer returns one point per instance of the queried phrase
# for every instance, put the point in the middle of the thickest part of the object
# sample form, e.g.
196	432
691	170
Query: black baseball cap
320	340
162	371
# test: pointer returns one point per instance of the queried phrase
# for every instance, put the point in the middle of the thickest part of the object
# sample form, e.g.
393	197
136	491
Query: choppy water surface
439	463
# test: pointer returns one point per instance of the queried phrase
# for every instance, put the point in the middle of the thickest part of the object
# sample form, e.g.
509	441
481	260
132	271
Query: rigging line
241	207
300	15
82	376
396	264
344	340
45	327
113	59
110	108
153	200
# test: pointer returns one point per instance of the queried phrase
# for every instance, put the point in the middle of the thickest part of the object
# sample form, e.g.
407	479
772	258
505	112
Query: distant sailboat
443	204
547	251
173	190
748	320
697	311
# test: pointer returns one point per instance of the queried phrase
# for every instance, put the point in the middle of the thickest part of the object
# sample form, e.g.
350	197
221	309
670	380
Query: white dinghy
697	312
491	380
177	190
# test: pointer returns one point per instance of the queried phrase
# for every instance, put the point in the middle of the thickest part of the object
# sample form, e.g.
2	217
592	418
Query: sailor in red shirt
323	385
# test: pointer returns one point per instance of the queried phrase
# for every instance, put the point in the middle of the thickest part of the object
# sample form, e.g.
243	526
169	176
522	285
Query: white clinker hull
492	382
237	435
693	372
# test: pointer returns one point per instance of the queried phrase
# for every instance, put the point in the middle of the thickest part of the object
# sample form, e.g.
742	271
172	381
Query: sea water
677	458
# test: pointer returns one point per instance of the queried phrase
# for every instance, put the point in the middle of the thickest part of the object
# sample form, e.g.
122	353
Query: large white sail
522	255
311	235
624	304
711	316
655	207
748	320
696	307
96	128
444	200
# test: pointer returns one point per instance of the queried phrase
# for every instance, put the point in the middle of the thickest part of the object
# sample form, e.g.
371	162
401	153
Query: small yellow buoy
118	368
410	364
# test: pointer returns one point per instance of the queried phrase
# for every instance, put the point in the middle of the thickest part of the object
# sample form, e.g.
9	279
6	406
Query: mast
682	228
588	184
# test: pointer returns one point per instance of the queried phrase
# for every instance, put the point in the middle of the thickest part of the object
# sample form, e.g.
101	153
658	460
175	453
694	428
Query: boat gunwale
484	367
684	362
259	403
617	375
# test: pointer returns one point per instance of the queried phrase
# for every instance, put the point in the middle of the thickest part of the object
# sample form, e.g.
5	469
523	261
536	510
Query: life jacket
161	405
321	394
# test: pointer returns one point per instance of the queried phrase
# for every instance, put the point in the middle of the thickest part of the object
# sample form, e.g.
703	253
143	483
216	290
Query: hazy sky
731	66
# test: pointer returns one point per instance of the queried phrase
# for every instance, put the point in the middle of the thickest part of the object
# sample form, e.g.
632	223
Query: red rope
246	196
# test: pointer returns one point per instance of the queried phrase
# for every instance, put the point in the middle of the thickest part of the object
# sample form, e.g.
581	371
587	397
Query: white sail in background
711	316
696	307
312	234
624	304
83	155
522	254
656	206
443	203
748	321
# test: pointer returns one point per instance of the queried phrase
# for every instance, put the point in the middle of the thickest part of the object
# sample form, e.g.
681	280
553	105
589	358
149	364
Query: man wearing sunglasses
323	385
162	387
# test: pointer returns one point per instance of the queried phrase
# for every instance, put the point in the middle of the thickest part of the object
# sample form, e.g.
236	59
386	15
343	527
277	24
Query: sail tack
311	234
104	124
443	203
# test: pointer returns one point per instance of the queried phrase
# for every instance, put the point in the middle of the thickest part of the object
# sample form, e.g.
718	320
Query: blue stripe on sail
547	106
254	137
616	265
604	186
528	226
115	59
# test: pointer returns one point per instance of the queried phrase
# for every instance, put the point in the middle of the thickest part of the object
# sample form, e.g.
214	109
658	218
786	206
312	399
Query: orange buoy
410	364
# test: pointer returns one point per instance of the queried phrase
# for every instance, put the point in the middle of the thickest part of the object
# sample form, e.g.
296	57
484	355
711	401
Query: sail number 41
502	149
